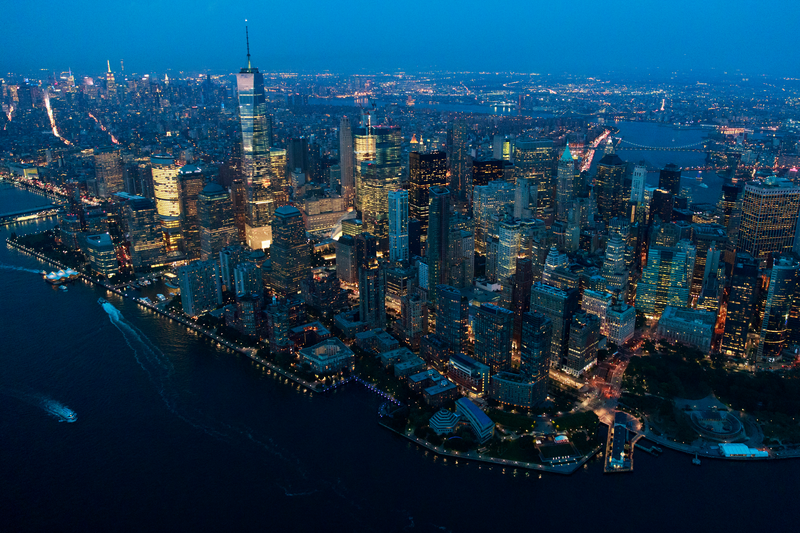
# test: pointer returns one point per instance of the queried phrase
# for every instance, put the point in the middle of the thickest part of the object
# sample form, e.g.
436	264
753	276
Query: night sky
579	36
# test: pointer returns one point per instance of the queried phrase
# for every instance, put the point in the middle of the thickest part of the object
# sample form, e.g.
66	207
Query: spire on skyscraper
567	155
247	37
108	62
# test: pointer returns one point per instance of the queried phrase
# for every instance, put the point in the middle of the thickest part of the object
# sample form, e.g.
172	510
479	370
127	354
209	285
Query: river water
175	434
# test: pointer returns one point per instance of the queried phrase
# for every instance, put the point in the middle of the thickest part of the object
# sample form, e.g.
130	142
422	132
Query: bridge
699	146
28	214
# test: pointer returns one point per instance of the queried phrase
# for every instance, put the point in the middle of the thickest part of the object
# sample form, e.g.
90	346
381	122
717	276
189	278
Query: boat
696	460
102	301
62	288
60	411
703	186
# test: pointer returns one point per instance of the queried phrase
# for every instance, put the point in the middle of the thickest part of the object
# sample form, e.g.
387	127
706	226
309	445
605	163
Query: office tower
554	260
399	278
503	147
375	188
534	162
215	216
371	294
484	171
379	145
661	206
297	156
229	258
493	329
108	171
460	179
413	323
666	280
414	237
521	283
144	229
489	202
615	267
201	290
706	237
247	279
191	180
101	254
278	166
424	171
452	315
537	333
565	184
669	179
745	283
584	335
780	298
346	160
335	178
398	225
769	218
255	155
620	322
559	306
609	182
438	234
346	265
366	249
638	183
460	252
239	202
166	188
111	84
289	252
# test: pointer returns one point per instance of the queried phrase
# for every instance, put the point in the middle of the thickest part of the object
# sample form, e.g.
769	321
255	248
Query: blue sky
579	36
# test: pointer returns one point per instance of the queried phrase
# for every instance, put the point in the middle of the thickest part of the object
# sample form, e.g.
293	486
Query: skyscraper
424	171
769	218
451	317
215	217
460	178
191	180
534	162
638	183
201	290
379	145
346	160
144	229
669	179
289	252
371	294
741	305
584	335
398	225
521	283
565	184
537	332
615	269
667	278
485	171
108	171
438	235
609	182
493	331
166	187
255	154
559	306
780	298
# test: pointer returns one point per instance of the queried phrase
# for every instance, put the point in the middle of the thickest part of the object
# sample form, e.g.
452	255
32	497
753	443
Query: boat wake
57	409
161	373
21	269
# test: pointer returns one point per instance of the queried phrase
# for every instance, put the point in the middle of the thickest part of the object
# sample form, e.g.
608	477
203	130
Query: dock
619	446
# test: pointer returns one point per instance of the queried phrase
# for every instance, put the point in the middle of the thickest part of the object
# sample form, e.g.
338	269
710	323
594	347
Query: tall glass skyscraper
565	184
424	171
438	235
255	155
290	261
780	297
460	176
493	331
398	225
217	224
769	218
346	160
108	171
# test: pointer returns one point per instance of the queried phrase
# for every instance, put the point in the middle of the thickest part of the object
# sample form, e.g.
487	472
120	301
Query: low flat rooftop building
479	422
327	357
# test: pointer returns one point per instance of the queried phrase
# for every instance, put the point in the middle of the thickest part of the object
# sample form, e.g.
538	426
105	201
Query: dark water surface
174	434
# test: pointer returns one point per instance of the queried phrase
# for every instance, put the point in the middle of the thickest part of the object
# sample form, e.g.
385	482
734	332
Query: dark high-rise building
669	179
537	332
559	306
346	263
255	154
493	330
371	290
565	184
741	305
486	170
191	181
424	171
108	171
775	332
769	218
366	248
289	252
414	237
346	160
460	177
521	284
144	228
297	155
201	290
451	317
661	206
610	186
584	335
438	236
239	200
215	217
